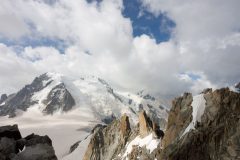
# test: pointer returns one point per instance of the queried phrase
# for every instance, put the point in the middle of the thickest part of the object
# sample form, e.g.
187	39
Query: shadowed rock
10	132
59	98
3	98
32	147
157	131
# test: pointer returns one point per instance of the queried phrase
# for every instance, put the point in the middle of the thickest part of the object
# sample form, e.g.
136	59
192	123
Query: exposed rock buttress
216	137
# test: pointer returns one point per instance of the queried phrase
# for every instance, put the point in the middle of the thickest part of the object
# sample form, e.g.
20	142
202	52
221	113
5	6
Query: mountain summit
52	93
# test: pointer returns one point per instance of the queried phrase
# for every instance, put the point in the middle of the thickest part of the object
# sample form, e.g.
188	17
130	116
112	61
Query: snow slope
63	129
149	142
198	105
79	151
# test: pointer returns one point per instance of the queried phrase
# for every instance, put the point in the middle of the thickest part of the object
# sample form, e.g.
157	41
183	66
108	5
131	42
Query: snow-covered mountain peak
54	101
54	92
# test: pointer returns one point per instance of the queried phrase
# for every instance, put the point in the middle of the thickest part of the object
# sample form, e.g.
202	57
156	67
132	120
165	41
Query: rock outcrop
3	98
10	132
59	98
216	137
213	135
107	142
32	147
125	127
112	141
145	124
179	117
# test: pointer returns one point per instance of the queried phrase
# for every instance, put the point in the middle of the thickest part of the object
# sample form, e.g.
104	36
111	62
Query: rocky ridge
201	127
53	92
215	137
114	141
58	98
32	147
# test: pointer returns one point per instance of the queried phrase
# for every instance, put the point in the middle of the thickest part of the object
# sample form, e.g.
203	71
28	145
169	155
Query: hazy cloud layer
205	43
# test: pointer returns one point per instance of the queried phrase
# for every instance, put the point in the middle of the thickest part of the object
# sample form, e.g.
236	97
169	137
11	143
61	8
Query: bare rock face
110	142
216	137
158	133
125	126
59	98
32	147
107	142
179	117
145	124
22	99
10	132
207	90
3	98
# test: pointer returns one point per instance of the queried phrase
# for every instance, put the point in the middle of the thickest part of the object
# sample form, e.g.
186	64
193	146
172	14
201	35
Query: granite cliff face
215	137
32	147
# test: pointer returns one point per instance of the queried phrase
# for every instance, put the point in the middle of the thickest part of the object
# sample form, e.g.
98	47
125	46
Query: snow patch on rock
149	142
198	105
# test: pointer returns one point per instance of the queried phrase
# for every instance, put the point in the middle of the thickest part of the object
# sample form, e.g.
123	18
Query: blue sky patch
194	76
19	45
144	22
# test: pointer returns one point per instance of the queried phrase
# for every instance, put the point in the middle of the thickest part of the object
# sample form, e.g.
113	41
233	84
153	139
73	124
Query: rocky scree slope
32	147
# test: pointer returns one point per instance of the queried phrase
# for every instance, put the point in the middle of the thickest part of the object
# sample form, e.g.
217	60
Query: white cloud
9	20
205	41
15	71
207	34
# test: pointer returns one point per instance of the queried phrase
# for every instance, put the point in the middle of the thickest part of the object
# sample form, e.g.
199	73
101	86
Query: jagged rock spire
145	124
125	126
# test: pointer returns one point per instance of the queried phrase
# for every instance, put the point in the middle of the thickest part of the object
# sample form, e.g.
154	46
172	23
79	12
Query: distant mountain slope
53	93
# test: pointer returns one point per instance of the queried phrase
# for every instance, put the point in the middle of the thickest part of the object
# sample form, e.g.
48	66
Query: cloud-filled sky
165	47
